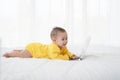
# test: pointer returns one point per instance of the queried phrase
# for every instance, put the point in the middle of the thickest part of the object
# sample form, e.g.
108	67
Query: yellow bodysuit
51	51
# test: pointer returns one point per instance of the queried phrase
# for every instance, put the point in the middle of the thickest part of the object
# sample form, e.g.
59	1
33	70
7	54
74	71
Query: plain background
25	21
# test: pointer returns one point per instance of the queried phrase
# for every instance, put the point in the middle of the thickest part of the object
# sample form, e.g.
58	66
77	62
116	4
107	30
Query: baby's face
61	39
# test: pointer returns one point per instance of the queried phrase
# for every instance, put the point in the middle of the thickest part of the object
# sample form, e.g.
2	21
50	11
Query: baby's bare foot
6	55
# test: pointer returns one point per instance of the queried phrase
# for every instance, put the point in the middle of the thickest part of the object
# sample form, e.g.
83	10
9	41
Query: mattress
93	67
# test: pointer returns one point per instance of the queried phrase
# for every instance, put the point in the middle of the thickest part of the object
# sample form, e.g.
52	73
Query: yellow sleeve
66	51
56	56
55	53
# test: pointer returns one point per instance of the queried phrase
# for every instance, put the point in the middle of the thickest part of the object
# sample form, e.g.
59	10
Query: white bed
102	66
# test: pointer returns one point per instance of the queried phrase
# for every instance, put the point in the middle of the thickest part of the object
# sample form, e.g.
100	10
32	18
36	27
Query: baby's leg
18	53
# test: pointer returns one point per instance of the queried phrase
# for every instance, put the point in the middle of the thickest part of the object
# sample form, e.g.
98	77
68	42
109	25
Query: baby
55	50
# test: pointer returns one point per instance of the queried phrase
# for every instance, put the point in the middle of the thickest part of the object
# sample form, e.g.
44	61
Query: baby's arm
58	56
71	55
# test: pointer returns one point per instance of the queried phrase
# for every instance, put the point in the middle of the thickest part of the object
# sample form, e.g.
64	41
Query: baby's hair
55	31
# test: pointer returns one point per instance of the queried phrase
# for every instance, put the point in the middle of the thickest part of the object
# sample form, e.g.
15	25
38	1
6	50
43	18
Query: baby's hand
74	57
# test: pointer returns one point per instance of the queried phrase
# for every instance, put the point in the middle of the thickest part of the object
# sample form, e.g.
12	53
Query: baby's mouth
64	44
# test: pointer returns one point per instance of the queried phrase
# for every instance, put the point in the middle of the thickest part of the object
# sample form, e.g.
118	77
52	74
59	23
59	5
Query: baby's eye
63	39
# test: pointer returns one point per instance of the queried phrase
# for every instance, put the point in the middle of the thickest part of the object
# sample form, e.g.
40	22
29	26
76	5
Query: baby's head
59	36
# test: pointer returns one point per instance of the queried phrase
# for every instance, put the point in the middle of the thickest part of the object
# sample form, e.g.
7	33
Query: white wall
24	21
103	21
114	22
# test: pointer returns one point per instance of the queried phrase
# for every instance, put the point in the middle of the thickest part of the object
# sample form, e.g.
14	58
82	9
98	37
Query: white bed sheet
94	67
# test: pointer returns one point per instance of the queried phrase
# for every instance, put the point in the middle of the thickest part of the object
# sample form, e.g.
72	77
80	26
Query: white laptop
85	47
